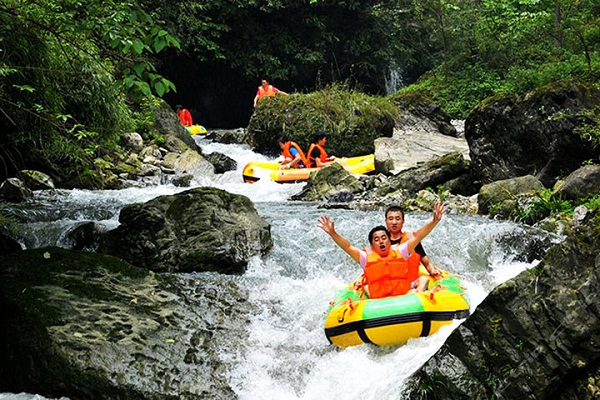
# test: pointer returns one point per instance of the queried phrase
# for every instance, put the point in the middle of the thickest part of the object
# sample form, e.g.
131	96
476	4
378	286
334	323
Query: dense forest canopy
73	75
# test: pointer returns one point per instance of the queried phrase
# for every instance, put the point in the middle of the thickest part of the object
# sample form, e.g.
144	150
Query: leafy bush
352	120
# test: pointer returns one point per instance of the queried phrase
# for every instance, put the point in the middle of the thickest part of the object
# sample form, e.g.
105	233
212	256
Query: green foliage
351	119
543	205
59	80
513	46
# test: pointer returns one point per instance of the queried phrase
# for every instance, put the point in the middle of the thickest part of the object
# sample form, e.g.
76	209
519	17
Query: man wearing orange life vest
387	268
184	115
293	156
316	154
394	220
266	90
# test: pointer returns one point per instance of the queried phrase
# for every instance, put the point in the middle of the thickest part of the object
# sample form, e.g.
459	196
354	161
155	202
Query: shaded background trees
73	75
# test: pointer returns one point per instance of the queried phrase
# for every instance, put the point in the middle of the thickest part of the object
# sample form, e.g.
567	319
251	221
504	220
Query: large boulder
423	132
429	175
202	229
582	183
534	337
505	191
90	326
14	190
542	133
330	182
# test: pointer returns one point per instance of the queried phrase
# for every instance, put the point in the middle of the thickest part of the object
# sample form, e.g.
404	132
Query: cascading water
286	355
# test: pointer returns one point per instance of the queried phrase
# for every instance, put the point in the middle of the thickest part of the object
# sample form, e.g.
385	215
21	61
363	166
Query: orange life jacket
390	276
185	117
269	92
323	155
286	152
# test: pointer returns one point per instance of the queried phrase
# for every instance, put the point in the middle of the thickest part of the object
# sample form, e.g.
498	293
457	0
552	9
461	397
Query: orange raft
255	170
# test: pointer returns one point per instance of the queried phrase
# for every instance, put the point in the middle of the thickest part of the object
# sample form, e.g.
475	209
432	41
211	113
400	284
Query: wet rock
90	326
221	162
228	136
202	229
537	134
503	193
581	183
533	337
328	182
430	175
36	180
14	190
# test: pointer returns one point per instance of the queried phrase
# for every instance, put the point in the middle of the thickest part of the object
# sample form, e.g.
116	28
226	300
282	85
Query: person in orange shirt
184	115
266	90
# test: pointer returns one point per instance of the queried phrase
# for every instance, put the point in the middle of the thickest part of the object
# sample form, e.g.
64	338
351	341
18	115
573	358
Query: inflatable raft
255	170
196	130
353	319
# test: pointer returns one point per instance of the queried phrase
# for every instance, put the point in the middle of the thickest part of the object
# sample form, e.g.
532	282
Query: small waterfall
394	80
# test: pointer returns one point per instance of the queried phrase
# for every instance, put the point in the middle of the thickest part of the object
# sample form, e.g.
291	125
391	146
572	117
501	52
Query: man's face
394	221
381	243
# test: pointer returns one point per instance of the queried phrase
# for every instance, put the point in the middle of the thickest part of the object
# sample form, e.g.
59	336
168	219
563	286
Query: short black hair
318	136
377	229
394	209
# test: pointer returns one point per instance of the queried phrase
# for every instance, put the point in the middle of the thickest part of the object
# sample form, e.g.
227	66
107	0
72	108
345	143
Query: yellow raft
196	130
352	320
255	170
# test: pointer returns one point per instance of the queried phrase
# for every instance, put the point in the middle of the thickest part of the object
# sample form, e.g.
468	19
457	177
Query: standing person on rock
184	115
388	269
266	90
394	220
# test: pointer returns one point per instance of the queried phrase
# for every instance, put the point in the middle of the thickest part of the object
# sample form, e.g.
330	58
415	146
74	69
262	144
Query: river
289	356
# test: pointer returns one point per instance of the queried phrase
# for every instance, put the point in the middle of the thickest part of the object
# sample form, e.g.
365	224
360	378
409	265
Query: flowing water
289	356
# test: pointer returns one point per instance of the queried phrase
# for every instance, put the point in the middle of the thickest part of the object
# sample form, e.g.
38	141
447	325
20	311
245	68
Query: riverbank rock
330	182
14	190
534	337
543	133
423	132
36	180
429	175
202	229
502	195
90	326
580	184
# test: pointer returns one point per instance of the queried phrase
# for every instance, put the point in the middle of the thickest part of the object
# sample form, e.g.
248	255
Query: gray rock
90	326
328	182
534	134
132	141
505	190
533	337
221	162
36	180
581	183
202	229
14	190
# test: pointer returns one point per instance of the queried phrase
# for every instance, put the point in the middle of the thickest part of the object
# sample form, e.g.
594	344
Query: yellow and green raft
196	130
353	319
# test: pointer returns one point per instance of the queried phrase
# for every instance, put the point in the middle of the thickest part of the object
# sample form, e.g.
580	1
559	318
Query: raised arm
329	227
438	212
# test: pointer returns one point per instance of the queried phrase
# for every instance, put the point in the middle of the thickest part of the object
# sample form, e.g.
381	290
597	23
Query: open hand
326	224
